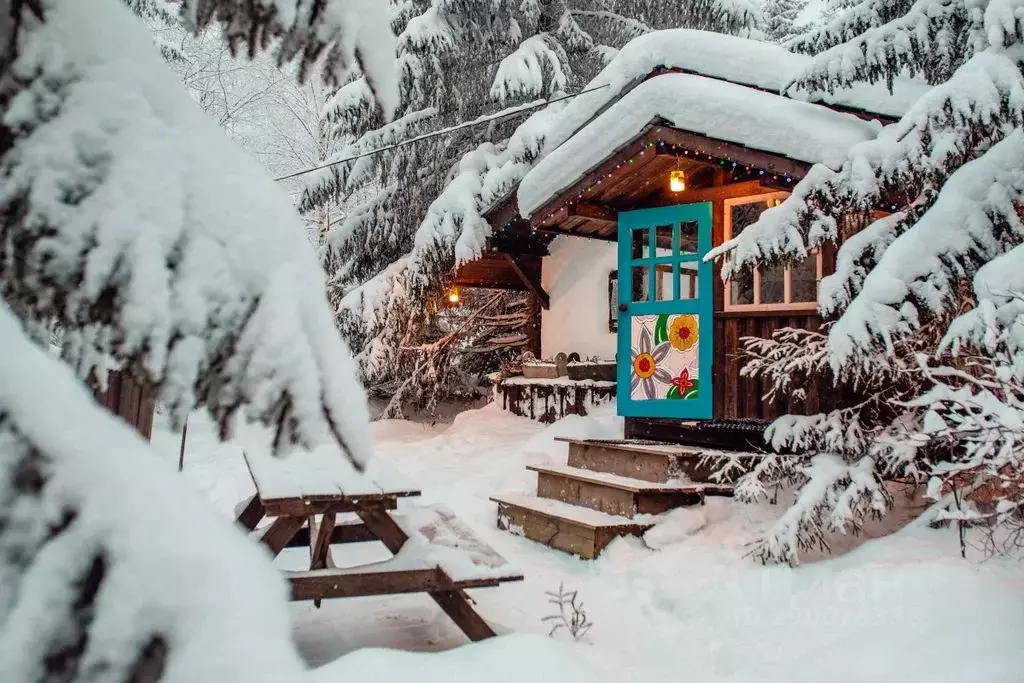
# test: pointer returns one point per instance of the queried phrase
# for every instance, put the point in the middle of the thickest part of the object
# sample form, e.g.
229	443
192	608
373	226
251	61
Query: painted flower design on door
664	357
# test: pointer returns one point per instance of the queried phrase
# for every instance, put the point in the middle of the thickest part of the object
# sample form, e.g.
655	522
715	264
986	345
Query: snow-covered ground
682	604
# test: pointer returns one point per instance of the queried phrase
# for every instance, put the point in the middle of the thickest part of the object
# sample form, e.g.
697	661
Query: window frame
786	304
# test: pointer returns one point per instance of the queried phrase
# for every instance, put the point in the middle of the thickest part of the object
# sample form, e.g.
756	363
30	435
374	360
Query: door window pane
804	280
664	287
688	237
641	243
688	280
773	285
663	240
641	284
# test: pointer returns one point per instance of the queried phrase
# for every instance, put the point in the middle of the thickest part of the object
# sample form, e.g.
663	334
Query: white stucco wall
575	276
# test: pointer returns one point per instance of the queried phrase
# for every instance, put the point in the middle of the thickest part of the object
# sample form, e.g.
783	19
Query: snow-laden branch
87	586
128	219
974	219
952	123
524	72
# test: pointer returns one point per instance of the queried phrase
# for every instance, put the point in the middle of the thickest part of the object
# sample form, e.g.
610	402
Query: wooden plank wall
129	400
737	397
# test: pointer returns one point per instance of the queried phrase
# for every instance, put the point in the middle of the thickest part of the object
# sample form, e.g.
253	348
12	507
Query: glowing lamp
453	295
677	181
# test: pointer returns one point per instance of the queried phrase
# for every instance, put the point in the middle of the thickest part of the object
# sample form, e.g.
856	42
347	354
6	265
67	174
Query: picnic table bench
302	498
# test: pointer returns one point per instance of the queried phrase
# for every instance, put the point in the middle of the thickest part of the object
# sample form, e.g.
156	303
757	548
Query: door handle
623	308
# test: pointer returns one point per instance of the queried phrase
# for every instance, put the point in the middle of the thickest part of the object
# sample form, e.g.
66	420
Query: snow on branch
334	35
835	497
932	39
128	219
88	590
974	219
952	123
998	319
848	24
523	73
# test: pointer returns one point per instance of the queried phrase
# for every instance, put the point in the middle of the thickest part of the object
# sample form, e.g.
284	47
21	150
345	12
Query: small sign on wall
613	301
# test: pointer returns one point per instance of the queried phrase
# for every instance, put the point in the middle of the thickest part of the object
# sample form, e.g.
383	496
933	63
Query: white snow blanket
721	110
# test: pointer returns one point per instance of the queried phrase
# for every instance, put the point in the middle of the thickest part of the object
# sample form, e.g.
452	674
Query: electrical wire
426	136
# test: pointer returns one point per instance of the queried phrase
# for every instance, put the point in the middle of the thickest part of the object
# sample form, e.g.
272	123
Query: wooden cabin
652	176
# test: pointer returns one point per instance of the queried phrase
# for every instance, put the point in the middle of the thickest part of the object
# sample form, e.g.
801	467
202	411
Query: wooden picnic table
302	498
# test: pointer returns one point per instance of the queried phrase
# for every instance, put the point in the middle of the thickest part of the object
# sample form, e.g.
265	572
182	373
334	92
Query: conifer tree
780	17
128	220
921	295
421	204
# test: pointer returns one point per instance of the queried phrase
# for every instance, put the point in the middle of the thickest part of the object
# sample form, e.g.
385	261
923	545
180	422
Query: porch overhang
636	176
500	270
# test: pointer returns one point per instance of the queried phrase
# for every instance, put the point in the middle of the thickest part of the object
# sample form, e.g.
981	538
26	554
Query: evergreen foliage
127	220
458	61
922	313
780	17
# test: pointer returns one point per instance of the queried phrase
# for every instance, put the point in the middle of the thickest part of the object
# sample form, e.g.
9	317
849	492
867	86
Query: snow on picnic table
685	599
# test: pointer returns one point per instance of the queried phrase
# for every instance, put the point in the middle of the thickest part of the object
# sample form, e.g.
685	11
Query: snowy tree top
152	240
717	109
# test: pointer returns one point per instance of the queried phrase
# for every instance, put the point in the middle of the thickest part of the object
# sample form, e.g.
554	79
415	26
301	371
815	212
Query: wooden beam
251	514
530	283
320	546
380	523
346	583
720	192
301	507
281	530
551	230
456	605
594	212
327	584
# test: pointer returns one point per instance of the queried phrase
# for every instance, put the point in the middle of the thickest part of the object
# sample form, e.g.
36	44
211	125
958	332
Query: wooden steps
606	485
571	528
617	495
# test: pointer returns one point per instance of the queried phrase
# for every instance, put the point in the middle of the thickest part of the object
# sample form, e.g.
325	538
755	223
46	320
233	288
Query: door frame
700	408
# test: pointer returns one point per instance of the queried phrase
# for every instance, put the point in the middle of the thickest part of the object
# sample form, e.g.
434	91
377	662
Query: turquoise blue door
665	312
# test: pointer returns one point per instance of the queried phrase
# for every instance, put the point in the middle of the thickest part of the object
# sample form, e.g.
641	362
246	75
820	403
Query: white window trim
787	281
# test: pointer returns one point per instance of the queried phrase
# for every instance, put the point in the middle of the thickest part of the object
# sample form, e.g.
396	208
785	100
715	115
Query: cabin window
793	287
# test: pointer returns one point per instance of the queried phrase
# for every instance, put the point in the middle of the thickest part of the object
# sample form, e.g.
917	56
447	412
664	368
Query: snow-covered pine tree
898	308
421	204
780	18
127	219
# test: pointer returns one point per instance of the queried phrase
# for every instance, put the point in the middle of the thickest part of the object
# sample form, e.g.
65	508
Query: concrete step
617	495
646	460
570	528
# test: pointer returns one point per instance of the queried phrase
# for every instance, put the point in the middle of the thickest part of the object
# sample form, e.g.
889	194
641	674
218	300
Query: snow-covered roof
748	62
715	108
738	60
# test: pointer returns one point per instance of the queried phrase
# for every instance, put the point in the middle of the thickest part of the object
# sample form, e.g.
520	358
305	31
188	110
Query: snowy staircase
606	490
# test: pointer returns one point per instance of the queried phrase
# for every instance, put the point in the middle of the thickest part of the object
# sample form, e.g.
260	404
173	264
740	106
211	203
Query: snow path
687	603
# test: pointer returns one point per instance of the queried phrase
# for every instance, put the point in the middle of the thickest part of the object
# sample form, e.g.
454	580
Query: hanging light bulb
677	181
